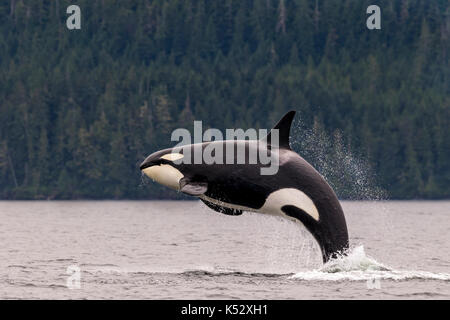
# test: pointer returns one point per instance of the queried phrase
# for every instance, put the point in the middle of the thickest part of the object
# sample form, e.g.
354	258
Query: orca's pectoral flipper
193	188
284	127
220	209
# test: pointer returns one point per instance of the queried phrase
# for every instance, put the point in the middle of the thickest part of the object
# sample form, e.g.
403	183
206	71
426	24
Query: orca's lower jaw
331	236
164	174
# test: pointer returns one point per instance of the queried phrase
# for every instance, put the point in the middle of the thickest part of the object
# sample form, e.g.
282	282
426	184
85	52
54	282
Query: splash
348	172
357	266
355	260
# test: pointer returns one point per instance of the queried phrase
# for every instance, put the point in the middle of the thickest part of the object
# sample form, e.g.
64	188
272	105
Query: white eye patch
172	156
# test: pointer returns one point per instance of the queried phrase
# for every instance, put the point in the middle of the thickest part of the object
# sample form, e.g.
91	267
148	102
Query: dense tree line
79	109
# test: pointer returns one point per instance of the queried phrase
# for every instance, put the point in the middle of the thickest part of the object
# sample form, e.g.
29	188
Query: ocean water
183	250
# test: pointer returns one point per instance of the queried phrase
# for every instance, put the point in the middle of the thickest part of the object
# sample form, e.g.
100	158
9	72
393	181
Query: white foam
357	266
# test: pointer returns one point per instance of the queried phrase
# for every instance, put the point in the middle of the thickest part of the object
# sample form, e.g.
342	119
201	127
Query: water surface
183	250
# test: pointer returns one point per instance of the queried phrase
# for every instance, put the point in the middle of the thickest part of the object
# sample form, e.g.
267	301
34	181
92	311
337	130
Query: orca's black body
297	191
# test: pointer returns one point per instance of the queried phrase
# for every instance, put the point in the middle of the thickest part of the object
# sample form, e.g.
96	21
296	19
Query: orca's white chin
164	174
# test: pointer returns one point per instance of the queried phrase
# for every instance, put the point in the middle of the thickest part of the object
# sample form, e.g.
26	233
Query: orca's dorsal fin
284	127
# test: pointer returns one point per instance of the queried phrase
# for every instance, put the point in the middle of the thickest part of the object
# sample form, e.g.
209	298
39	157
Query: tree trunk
13	8
11	167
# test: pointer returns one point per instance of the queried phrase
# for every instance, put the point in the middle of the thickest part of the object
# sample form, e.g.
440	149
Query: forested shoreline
80	109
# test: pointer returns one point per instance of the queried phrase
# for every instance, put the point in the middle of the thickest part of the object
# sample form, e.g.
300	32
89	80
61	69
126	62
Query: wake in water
357	266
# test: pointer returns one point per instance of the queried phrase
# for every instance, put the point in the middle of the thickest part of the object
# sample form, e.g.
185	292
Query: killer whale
297	191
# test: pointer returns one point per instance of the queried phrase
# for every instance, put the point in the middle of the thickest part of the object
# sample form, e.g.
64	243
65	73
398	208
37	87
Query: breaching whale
297	191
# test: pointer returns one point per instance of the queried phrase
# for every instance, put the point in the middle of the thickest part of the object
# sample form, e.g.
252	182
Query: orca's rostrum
296	191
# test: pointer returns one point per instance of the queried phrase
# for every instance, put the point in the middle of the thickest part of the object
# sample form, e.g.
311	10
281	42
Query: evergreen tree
80	109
